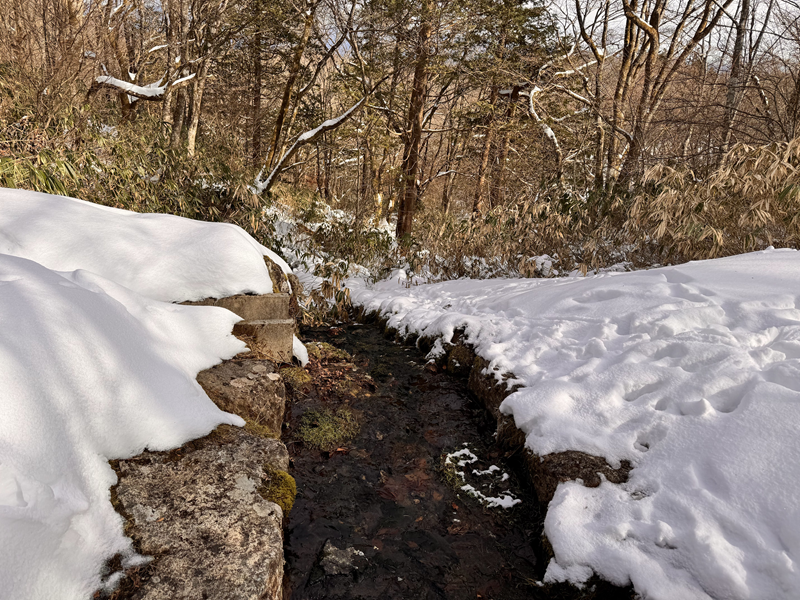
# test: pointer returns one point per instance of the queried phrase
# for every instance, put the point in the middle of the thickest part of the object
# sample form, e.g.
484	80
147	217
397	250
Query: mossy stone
296	378
323	351
459	361
347	387
260	430
280	488
314	352
380	372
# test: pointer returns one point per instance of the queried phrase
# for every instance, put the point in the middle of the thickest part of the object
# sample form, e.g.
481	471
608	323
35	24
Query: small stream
383	515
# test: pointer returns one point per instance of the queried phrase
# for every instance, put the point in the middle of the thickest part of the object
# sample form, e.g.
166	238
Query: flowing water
383	515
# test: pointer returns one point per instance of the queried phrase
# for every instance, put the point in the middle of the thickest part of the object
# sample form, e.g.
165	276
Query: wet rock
249	388
547	472
197	511
490	391
339	562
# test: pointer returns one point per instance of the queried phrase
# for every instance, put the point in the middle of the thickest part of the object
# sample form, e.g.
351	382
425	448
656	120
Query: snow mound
160	256
89	371
692	373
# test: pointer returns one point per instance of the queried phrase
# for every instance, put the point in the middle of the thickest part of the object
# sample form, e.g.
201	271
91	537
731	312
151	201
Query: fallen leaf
418	480
458	529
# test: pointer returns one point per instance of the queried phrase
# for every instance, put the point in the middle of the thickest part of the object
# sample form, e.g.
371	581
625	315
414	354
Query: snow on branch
575	70
139	91
151	91
306	138
260	186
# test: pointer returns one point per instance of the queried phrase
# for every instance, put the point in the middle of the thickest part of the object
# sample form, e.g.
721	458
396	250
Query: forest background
455	137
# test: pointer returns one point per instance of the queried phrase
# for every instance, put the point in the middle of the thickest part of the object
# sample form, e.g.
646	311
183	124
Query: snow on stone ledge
89	371
690	372
160	256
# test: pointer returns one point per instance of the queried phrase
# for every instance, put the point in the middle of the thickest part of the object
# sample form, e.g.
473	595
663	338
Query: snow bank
89	371
692	373
163	257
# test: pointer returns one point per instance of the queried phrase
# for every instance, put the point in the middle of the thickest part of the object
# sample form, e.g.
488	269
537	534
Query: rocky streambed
404	490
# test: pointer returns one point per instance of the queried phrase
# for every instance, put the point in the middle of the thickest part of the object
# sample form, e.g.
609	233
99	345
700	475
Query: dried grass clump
326	429
512	240
750	202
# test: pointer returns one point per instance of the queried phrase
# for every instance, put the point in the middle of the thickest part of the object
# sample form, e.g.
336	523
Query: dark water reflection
387	496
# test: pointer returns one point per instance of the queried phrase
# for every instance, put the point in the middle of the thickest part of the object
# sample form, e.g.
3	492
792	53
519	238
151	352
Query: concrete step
266	307
272	337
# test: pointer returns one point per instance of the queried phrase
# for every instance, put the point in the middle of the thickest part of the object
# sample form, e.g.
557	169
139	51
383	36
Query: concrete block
272	337
266	307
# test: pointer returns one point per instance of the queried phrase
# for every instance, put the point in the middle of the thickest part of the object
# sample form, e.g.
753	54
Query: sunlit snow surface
692	373
88	371
159	256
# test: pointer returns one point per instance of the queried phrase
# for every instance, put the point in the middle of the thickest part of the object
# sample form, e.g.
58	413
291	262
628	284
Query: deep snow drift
691	372
94	366
163	257
88	371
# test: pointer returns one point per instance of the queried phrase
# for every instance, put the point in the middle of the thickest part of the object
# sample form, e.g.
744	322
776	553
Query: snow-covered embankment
95	364
691	373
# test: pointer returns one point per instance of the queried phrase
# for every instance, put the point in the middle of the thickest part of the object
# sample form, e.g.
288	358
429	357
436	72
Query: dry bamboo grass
750	202
509	241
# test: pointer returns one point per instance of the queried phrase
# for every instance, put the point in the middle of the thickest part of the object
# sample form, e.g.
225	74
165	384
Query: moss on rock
459	361
381	372
261	430
347	387
279	488
323	351
296	378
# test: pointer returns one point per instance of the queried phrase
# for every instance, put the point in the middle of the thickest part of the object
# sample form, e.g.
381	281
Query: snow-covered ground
163	257
692	373
94	366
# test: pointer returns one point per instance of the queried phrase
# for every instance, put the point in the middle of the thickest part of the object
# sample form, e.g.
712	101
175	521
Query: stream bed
381	510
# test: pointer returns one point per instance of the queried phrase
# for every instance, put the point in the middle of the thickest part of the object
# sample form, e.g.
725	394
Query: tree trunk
327	172
197	102
294	69
257	82
408	200
599	144
498	172
178	118
166	112
735	83
620	95
480	197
